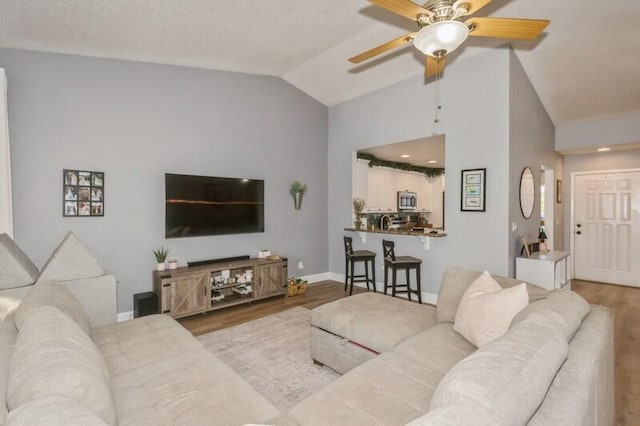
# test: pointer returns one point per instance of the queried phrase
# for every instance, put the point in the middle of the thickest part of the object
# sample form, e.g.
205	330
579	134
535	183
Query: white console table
546	269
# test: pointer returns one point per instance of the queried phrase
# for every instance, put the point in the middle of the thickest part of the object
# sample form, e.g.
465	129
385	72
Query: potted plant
297	190
161	257
358	207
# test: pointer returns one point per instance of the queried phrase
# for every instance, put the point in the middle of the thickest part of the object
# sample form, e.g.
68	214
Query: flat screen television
200	205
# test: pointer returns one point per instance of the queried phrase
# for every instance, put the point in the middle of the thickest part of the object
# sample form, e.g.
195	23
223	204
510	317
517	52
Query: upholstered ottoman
350	331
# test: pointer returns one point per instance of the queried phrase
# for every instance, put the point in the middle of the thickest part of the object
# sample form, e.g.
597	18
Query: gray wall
531	143
614	160
622	129
477	136
136	121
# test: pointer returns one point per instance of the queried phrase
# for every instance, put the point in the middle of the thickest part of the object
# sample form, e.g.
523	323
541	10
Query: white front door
606	215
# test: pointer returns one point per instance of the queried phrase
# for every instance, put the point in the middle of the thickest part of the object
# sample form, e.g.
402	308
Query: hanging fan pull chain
438	98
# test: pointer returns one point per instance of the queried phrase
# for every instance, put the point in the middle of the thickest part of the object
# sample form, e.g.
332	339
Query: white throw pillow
486	309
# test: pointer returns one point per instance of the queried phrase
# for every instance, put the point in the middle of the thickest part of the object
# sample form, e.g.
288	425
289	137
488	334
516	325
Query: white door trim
572	207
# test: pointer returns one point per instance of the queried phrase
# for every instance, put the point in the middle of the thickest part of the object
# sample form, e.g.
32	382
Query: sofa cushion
54	356
190	388
457	413
54	410
162	375
438	347
56	295
486	309
131	344
510	376
569	306
457	280
583	391
390	389
373	320
71	261
16	269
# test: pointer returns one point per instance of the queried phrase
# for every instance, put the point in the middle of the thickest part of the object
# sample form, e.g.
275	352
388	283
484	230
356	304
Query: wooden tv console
193	290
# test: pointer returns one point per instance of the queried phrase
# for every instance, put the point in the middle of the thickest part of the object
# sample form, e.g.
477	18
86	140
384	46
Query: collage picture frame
473	190
82	193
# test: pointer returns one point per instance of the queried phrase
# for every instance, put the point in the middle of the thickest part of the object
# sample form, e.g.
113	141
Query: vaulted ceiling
586	65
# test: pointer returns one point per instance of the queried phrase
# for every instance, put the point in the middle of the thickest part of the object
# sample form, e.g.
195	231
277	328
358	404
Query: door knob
579	225
579	232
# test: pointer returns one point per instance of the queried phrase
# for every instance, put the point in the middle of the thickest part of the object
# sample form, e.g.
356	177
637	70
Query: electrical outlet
300	265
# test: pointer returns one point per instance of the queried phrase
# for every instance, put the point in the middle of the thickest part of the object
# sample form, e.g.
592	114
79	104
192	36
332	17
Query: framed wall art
82	193
473	190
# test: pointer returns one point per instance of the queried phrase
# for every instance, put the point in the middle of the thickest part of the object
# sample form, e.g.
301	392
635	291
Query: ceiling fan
441	29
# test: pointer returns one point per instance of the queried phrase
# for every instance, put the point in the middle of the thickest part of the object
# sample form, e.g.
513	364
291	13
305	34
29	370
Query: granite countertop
440	233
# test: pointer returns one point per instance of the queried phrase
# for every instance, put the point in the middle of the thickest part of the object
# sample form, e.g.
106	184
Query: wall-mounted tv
200	205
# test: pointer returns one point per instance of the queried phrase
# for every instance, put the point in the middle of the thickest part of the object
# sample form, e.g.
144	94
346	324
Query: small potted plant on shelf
358	207
297	190
161	256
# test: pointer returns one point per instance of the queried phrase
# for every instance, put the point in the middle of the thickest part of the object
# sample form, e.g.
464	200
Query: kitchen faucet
382	220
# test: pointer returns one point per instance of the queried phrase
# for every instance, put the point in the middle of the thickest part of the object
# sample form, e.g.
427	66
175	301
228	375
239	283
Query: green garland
376	162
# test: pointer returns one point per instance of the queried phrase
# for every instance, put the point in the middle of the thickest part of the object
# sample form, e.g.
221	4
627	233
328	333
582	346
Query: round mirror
527	192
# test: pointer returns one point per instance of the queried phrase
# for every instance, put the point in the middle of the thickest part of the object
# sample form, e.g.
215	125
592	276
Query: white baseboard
317	277
125	316
430	298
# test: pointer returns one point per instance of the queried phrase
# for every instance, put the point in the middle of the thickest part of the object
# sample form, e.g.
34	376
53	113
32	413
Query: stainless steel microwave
407	200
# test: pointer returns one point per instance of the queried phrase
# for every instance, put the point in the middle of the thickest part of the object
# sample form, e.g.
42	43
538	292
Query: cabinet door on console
270	280
184	295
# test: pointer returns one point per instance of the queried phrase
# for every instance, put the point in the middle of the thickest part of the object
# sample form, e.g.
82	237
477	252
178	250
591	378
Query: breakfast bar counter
425	237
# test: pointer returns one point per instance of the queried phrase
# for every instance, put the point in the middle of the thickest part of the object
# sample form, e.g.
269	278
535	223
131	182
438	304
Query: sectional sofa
65	361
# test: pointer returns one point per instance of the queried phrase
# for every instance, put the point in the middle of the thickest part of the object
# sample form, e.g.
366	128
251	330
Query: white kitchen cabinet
360	179
374	182
388	190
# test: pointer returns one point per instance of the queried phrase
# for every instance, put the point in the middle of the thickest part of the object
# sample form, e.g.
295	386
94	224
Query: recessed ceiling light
605	149
432	161
405	156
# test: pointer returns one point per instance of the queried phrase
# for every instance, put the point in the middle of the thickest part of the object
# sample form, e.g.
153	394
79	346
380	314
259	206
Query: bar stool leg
366	273
386	278
352	273
393	288
407	274
419	289
346	274
373	274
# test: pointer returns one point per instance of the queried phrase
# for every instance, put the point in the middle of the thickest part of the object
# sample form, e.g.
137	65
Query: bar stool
351	257
400	262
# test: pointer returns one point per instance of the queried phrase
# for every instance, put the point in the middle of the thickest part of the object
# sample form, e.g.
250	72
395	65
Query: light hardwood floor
625	301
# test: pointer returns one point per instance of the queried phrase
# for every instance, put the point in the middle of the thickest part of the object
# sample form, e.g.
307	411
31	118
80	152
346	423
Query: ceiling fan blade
509	28
472	5
382	48
434	66
405	8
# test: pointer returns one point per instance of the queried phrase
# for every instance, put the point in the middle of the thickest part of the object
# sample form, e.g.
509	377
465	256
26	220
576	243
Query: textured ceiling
587	65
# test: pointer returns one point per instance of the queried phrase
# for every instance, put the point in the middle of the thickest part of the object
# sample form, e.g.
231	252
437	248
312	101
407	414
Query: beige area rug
272	353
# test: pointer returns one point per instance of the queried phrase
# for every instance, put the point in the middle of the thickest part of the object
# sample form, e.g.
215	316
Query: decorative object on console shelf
473	190
296	286
358	207
161	257
263	254
297	190
173	264
82	193
542	237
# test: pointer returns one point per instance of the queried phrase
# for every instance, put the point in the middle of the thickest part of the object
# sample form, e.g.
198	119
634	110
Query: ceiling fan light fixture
445	35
